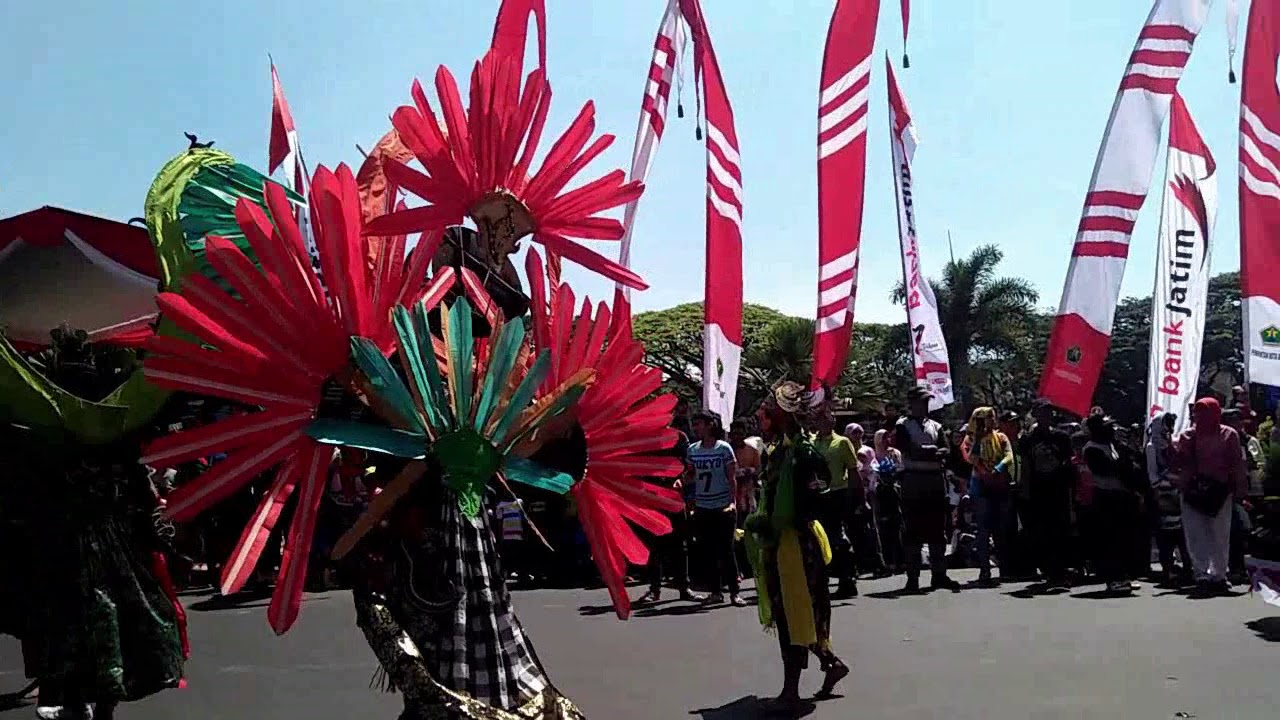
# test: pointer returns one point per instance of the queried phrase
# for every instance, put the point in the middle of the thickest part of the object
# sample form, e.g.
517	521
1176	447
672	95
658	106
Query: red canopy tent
58	266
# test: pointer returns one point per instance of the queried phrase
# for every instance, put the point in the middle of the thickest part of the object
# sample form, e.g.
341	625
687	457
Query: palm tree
983	315
784	351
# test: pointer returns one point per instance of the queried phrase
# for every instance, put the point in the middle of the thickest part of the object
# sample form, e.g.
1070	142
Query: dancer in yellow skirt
787	545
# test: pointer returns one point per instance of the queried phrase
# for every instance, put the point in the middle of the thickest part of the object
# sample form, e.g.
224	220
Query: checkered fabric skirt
464	625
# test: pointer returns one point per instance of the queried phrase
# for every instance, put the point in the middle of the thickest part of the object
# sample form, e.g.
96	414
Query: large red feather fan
275	341
625	422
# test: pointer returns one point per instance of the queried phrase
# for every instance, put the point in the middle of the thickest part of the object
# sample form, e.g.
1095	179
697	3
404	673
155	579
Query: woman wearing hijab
787	545
1167	508
886	502
990	454
1211	471
1115	506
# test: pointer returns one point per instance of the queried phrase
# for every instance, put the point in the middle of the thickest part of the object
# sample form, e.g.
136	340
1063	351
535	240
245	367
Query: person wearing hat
924	491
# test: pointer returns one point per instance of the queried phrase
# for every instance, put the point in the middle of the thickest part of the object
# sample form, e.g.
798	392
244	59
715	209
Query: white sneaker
58	712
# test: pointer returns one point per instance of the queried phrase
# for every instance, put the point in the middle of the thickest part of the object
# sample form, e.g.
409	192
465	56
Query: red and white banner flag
928	346
1260	195
285	150
842	174
722	323
1182	270
1121	178
667	49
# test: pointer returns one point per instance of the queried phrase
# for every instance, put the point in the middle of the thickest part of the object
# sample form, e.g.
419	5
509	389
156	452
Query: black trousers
925	524
715	531
1167	541
842	533
1049	525
670	554
1116	521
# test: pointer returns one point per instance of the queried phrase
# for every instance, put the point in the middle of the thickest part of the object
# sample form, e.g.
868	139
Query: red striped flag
1121	179
722	323
1260	195
653	115
842	170
284	150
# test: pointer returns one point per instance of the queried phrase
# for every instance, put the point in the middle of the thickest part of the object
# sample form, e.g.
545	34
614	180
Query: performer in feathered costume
787	545
475	405
99	621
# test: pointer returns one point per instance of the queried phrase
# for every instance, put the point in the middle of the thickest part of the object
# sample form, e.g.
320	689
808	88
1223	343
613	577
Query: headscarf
982	434
852	429
881	442
1207	414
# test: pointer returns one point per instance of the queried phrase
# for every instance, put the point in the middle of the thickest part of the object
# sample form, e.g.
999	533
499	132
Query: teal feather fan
469	415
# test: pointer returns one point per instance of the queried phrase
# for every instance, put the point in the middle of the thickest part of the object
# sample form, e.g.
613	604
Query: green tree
984	317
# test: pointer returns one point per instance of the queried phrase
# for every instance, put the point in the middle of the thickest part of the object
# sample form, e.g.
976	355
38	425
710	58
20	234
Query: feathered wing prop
624	420
273	340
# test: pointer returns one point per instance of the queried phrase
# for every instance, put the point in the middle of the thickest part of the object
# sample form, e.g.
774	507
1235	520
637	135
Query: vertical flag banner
1260	195
722	305
667	49
285	150
928	346
1121	178
842	173
1182	270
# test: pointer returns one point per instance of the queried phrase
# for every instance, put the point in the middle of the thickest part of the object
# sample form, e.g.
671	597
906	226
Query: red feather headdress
624	420
276	343
478	160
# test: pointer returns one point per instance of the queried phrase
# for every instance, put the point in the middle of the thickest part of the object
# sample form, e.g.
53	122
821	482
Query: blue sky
1010	98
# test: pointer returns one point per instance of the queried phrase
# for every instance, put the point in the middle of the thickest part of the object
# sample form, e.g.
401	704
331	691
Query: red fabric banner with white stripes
1121	179
842	171
653	115
1260	195
722	323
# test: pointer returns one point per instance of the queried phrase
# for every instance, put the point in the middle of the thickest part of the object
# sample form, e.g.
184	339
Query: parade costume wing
468	413
625	422
275	340
193	196
478	158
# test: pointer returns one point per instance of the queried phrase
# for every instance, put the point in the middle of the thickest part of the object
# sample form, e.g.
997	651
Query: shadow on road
1107	595
240	601
751	708
1266	628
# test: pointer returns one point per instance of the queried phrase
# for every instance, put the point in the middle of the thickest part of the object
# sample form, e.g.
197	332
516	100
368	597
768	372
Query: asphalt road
979	654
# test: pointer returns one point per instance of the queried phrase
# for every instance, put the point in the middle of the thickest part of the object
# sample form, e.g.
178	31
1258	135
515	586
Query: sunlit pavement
981	654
